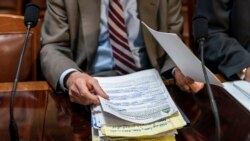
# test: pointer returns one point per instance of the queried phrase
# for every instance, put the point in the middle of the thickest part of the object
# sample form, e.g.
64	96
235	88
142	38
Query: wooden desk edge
25	86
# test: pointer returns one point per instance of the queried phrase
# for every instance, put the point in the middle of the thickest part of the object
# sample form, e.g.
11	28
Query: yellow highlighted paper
167	138
173	122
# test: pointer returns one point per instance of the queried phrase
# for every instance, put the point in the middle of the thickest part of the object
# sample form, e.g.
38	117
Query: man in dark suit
76	46
227	49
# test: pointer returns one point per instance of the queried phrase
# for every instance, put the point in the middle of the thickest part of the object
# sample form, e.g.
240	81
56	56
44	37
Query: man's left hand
186	83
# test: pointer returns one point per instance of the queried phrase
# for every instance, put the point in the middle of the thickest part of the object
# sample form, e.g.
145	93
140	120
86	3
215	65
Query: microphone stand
210	92
13	129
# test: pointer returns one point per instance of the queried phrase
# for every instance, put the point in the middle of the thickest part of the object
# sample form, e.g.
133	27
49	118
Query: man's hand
186	83
83	89
247	76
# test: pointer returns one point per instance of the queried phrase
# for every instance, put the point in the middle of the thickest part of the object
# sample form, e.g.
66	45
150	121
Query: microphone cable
210	94
13	127
30	19
200	32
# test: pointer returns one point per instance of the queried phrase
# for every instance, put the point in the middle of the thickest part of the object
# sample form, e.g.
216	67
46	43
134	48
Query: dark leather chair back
12	7
188	7
12	34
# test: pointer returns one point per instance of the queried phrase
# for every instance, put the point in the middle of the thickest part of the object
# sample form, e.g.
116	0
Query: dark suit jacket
71	28
227	49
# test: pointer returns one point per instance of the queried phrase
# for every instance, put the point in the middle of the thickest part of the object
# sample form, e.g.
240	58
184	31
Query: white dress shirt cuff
61	79
173	72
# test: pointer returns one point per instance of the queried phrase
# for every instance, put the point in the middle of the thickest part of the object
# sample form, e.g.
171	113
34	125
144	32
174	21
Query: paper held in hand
182	56
190	66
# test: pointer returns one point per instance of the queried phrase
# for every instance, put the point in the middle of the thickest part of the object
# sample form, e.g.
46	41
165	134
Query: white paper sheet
240	90
182	56
140	97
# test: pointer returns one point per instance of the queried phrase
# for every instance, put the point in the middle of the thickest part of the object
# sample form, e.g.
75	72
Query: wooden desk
234	118
42	115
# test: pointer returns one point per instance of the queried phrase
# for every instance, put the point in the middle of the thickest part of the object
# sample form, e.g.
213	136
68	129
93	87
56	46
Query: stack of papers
139	108
240	90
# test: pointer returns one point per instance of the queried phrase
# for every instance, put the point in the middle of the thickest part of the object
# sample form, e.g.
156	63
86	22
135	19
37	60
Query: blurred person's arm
224	51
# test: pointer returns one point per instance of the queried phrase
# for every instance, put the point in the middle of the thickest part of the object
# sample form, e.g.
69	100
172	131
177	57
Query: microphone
31	15
30	20
200	29
200	33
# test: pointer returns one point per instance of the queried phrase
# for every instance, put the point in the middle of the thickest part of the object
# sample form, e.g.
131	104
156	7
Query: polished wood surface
234	118
43	115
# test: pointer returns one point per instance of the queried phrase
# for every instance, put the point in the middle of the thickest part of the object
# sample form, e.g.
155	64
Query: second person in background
227	50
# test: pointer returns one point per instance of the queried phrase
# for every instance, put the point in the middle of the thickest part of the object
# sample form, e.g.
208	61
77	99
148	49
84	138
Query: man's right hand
84	89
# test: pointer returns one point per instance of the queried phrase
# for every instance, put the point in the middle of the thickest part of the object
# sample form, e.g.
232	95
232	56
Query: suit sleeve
222	51
175	17
56	54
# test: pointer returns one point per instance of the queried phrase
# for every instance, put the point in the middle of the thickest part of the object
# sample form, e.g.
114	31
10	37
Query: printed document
140	97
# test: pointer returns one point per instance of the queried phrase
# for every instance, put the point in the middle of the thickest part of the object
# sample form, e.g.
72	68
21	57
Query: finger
95	87
73	91
181	80
196	87
189	80
85	94
182	84
73	95
186	88
98	89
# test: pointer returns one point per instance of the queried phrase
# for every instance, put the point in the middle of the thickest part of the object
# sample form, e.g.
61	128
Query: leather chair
12	7
12	34
188	7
